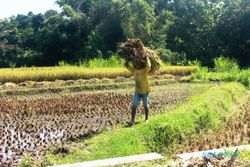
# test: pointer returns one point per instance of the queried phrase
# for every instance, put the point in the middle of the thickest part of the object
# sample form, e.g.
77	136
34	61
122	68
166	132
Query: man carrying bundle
144	61
142	87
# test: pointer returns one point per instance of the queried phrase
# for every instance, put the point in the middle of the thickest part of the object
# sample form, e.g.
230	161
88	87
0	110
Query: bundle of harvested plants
133	50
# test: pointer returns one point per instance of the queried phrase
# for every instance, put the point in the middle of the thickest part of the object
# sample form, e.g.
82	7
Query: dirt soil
31	124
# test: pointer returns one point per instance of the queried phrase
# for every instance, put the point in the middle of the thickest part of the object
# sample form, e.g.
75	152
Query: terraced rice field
234	132
29	124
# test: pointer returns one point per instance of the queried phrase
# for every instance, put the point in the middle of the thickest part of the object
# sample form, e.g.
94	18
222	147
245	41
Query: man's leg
146	114
133	115
136	100
146	105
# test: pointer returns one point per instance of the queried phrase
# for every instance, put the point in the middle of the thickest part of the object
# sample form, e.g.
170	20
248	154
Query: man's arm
148	65
129	67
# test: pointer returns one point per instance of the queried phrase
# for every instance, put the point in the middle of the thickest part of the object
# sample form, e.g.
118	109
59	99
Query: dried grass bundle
134	51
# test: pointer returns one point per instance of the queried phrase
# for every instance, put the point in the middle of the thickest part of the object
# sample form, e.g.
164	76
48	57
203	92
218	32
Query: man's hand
128	66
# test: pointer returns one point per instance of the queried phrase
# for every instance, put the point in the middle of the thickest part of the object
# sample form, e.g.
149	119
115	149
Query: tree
234	31
178	30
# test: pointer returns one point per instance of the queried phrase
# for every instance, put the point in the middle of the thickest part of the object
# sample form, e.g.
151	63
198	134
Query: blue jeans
136	100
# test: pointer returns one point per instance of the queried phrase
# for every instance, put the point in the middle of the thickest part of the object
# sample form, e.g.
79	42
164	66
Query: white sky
14	7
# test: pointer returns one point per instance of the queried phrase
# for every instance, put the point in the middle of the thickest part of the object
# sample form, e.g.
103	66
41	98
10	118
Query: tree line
179	30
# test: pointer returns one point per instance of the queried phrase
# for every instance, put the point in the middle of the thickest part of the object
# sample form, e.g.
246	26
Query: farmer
142	89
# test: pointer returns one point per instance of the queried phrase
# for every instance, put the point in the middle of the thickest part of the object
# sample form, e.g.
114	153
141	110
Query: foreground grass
18	75
162	132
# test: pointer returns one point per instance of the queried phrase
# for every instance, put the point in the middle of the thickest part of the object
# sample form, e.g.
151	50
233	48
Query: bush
223	64
165	55
195	62
113	61
179	58
172	58
161	138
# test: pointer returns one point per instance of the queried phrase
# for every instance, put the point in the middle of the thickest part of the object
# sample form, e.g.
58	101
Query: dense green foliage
179	30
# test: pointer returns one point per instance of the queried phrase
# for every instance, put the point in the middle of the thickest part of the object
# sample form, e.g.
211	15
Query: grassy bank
18	75
163	132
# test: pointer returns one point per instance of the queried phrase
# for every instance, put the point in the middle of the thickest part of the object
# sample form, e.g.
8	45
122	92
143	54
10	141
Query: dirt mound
10	85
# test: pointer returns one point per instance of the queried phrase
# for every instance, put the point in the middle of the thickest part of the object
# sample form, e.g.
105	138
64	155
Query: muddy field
31	124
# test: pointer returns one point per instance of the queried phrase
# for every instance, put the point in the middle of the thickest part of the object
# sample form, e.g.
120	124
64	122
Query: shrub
223	64
113	61
195	62
161	138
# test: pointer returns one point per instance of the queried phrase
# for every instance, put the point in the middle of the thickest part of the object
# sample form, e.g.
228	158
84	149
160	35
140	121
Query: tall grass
224	70
63	63
113	61
196	63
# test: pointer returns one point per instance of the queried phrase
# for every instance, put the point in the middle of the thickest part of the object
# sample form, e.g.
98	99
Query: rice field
18	75
44	107
32	123
171	131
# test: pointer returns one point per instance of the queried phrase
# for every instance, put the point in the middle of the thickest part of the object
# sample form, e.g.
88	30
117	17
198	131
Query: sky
14	7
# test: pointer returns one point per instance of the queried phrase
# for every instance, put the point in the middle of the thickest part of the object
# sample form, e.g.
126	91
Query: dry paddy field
31	123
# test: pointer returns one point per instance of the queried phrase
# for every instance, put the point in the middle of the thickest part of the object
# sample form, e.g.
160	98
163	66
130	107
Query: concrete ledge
116	161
